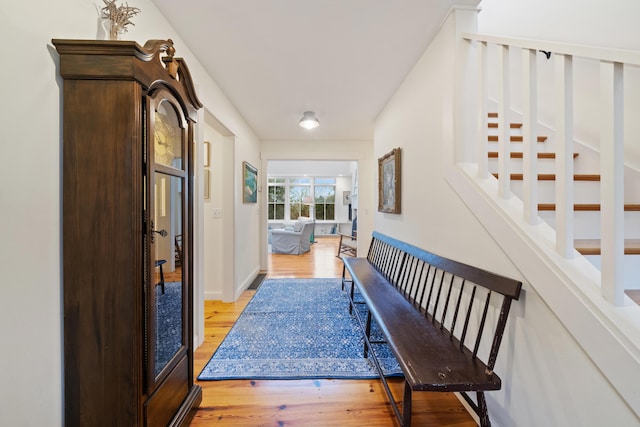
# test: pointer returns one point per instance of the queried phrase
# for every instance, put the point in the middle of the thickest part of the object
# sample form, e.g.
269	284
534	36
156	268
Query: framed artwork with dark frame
389	182
249	183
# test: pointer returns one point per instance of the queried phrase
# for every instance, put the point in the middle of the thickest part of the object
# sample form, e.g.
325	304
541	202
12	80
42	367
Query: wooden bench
433	313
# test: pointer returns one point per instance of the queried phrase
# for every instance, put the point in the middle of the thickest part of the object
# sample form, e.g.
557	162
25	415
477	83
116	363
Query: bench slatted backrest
445	290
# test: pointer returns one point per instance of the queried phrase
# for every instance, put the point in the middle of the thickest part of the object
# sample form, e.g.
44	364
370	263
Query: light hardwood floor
305	402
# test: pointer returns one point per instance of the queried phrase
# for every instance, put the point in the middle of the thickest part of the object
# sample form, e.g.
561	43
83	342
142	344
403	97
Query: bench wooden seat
431	358
426	306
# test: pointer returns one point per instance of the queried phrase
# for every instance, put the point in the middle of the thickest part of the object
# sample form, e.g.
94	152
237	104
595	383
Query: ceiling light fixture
309	120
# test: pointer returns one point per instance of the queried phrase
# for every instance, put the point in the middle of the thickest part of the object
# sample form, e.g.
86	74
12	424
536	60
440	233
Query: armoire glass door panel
169	289
168	133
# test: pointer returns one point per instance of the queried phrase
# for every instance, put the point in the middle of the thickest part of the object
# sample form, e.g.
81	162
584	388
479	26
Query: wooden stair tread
516	138
628	207
585	247
552	177
592	246
511	125
520	155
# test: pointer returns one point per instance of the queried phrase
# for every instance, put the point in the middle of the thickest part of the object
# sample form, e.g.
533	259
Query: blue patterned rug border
318	338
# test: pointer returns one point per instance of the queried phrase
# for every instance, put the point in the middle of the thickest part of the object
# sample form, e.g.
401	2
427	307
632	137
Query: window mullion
287	201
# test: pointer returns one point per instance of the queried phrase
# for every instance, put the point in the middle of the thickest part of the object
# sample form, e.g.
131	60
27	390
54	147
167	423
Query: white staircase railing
612	66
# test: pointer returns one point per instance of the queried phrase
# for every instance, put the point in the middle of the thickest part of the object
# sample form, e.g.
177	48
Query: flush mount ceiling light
309	120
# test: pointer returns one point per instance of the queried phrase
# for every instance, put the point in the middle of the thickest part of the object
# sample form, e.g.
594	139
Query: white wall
343	183
218	216
31	388
431	213
548	380
598	23
247	226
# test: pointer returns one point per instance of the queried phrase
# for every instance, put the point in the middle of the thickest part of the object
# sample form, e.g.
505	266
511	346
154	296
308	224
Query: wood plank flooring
305	402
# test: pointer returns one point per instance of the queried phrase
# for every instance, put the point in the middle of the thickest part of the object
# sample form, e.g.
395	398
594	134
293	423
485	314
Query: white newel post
612	180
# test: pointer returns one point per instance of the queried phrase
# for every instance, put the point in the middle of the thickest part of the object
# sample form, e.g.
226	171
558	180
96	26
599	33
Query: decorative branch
120	16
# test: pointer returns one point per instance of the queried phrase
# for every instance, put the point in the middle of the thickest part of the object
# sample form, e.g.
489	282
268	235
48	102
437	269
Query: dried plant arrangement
118	16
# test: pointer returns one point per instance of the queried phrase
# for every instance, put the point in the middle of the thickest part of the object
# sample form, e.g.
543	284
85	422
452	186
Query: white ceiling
275	59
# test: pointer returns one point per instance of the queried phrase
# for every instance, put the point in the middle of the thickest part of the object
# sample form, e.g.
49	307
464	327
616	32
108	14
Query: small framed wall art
346	197
249	183
389	182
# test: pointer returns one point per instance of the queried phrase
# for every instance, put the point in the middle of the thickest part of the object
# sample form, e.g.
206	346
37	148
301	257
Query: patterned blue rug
296	329
169	320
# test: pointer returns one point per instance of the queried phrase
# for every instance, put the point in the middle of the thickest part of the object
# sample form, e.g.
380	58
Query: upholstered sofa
294	239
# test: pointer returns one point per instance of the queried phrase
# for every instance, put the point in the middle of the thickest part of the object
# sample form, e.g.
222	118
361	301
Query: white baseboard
245	285
213	296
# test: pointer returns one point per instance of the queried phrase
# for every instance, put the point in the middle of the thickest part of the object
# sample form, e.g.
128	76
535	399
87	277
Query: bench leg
352	293
368	333
406	405
344	283
482	410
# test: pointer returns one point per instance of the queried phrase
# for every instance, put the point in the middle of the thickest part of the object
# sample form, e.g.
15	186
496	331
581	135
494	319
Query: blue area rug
296	329
169	323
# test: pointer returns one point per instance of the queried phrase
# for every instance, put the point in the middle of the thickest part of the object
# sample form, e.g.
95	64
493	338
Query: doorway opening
323	192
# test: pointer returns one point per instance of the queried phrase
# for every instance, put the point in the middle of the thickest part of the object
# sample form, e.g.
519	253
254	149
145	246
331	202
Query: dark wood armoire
128	117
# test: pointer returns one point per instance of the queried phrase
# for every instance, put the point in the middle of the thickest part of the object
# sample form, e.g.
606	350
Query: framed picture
207	184
389	182
249	183
207	158
346	197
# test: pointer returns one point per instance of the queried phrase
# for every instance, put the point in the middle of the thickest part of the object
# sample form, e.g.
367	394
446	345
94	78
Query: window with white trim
299	189
324	191
293	197
277	198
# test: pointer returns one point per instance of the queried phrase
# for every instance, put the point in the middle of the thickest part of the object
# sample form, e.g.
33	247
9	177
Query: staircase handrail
629	57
